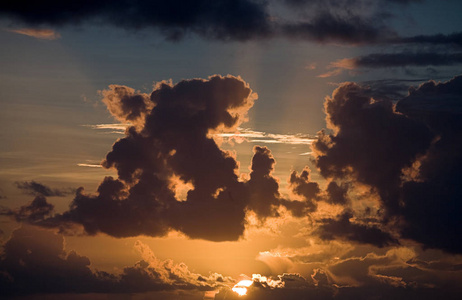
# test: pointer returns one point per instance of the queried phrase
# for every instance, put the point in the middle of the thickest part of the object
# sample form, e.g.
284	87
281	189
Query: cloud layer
351	22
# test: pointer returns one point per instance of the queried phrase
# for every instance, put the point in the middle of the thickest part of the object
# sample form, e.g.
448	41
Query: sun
241	287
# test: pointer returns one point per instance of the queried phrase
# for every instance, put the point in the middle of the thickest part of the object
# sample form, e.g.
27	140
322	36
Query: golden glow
241	287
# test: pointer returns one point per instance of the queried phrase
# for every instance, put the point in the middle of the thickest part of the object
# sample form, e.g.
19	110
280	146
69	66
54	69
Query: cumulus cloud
432	199
264	188
169	143
410	159
370	143
126	105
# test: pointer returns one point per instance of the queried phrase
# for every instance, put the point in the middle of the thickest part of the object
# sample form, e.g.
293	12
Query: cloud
223	20
110	128
89	165
36	210
389	89
302	186
410	159
264	188
240	135
337	194
343	228
29	266
43	34
387	168
371	143
395	272
327	27
454	39
353	22
170	142
432	198
391	60
36	188
126	105
400	59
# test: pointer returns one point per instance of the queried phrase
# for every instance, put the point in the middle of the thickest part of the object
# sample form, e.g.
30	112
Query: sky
231	149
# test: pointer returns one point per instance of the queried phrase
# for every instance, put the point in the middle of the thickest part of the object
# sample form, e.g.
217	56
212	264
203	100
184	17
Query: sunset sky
231	149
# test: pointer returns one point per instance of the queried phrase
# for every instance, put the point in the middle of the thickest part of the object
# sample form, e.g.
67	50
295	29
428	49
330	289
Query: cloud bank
30	266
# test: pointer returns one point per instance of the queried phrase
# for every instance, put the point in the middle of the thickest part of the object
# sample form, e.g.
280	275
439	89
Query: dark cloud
224	20
172	174
342	3
343	228
389	89
454	39
411	159
404	59
371	143
432	199
126	105
237	20
337	194
35	188
301	185
328	27
264	188
37	210
171	147
30	266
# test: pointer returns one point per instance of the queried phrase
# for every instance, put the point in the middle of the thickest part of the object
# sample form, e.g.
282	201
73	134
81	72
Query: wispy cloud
241	135
253	136
110	128
89	165
43	34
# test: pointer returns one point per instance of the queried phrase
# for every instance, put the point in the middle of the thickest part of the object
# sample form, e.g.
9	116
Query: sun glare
241	287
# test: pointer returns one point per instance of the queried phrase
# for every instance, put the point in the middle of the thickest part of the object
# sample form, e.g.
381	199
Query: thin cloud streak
242	135
90	165
252	136
42	34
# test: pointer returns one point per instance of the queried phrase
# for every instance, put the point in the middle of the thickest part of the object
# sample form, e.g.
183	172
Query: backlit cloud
29	266
373	144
